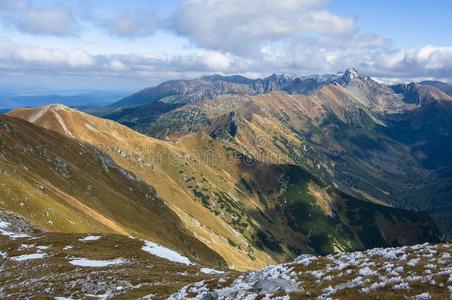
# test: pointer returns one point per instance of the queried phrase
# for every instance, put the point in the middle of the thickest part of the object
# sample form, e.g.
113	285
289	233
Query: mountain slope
420	94
353	132
250	211
166	167
443	86
62	184
143	106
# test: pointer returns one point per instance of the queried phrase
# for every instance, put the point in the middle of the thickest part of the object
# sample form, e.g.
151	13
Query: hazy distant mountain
11	99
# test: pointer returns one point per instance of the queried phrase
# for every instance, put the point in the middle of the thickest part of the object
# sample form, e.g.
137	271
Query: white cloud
216	61
428	61
301	57
132	25
52	21
117	65
244	26
255	37
55	20
15	56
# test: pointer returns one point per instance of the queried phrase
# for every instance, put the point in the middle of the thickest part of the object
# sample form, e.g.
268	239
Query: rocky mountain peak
351	74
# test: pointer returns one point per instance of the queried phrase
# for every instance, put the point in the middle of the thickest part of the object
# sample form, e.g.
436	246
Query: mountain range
375	141
233	173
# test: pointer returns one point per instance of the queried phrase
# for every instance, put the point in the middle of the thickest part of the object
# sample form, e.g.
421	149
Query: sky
128	45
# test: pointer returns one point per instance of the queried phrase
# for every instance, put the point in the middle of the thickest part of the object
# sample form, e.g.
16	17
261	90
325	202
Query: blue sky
409	23
127	45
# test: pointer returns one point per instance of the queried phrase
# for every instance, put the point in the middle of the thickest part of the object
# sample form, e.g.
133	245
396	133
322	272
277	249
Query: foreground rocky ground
74	266
416	272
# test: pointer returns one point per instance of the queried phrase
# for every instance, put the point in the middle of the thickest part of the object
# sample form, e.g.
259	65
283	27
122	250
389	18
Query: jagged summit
352	73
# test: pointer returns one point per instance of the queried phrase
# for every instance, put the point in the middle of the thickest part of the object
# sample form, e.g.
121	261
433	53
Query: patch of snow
12	235
90	238
42	247
210	271
67	247
367	272
305	259
413	262
26	246
25	257
423	296
84	262
165	253
402	286
317	274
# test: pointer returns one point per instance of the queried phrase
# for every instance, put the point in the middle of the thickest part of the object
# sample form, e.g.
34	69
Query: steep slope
420	94
251	210
345	133
172	171
376	97
65	185
443	86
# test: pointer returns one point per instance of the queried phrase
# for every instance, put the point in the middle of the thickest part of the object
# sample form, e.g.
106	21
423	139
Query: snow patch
28	257
165	253
4	226
84	262
423	296
210	271
90	238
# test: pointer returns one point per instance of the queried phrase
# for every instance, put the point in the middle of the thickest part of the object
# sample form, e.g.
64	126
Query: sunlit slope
242	194
171	168
396	154
62	184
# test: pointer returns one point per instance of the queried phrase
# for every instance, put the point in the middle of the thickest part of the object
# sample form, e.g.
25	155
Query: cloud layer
53	20
255	37
241	26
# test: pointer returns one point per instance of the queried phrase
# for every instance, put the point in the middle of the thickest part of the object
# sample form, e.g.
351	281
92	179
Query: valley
231	174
